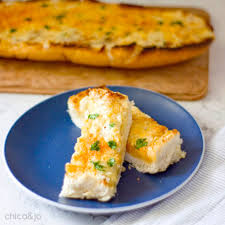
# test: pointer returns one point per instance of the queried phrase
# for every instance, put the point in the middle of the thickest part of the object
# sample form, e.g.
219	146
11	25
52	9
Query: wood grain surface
184	81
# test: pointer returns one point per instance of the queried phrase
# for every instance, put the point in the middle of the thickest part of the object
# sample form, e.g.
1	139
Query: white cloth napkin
200	202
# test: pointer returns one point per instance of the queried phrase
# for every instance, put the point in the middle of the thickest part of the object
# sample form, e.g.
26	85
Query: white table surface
209	113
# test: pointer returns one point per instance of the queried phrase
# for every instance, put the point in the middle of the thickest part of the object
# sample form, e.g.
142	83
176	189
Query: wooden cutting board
185	81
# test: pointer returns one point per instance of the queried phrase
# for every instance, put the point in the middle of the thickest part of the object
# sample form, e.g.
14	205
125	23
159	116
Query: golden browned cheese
97	130
147	129
97	25
93	33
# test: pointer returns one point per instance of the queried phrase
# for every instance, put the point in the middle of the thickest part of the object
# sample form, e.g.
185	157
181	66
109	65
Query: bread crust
120	56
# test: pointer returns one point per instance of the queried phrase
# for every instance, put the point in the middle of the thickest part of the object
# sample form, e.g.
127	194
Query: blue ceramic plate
42	141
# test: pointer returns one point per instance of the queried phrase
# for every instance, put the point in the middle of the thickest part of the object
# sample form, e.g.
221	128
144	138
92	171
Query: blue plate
42	141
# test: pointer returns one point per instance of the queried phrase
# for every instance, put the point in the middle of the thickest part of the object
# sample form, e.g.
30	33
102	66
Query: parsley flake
98	166
28	19
93	116
141	143
177	22
111	125
160	22
111	162
112	144
108	33
44	5
13	30
95	146
47	27
60	17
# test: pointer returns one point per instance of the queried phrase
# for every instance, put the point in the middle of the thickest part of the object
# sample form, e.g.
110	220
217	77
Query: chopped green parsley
47	27
44	5
95	146
60	17
177	22
112	144
28	19
98	166
108	33
13	30
111	162
93	116
141	143
111	125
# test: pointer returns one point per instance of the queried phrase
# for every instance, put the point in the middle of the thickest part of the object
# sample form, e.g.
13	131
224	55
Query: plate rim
98	211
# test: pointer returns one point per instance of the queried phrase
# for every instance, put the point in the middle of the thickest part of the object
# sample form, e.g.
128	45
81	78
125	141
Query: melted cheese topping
151	147
93	152
99	25
155	135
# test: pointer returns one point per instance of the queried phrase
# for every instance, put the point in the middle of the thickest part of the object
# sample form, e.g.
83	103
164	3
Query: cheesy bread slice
95	166
151	147
99	34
